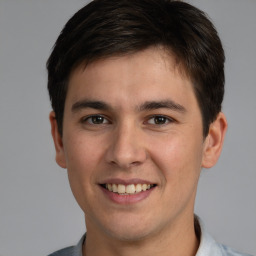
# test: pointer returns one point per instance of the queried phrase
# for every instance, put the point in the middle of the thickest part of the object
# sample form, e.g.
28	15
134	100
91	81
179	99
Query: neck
179	239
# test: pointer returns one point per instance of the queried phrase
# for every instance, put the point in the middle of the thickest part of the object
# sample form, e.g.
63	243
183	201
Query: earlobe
57	139
214	141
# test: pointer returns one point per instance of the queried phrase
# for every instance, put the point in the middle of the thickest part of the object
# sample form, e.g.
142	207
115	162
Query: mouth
130	189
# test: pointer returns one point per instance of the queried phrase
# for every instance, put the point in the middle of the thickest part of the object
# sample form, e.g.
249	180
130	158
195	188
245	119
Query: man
136	89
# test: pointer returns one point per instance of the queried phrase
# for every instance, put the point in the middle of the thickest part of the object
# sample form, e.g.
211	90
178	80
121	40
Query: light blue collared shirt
208	247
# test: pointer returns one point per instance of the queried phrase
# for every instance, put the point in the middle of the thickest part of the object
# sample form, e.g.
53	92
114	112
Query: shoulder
227	251
69	251
208	246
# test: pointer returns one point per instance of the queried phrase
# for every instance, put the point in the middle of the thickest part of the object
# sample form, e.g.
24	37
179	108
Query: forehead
140	76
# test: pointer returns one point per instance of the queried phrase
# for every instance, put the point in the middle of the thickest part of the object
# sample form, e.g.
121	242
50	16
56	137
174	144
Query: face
132	144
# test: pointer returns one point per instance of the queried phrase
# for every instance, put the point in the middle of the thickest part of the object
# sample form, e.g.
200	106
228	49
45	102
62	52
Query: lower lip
127	199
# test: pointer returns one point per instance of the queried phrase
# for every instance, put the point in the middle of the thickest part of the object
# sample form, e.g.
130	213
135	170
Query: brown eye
96	119
159	120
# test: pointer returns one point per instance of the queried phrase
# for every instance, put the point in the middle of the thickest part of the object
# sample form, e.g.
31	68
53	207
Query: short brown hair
105	28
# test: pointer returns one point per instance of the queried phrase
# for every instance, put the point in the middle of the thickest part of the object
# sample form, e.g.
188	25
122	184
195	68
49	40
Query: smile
129	189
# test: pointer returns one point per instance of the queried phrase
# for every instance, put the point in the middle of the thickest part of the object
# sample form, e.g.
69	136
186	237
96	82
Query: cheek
81	154
179	165
179	158
82	159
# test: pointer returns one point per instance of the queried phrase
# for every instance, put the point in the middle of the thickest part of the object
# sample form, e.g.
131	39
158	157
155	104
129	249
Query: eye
95	119
159	120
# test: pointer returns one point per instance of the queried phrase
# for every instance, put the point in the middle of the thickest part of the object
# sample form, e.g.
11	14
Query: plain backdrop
37	211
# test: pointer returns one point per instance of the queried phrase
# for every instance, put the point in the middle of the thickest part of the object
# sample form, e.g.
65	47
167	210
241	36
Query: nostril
135	163
125	165
125	151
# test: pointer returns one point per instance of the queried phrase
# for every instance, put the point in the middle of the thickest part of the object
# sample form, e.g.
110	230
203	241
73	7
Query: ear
214	141
57	139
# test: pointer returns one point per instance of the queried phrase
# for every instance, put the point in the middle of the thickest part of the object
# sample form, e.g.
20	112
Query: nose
126	147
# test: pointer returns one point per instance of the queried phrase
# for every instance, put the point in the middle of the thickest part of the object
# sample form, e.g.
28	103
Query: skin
130	140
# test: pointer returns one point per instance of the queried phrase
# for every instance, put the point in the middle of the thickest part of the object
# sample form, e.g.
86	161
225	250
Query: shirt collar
207	246
78	250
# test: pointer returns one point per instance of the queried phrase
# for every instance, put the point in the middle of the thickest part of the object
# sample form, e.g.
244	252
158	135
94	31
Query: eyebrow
169	104
100	105
148	105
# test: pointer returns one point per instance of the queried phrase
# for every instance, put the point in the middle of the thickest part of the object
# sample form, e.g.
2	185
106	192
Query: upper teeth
127	189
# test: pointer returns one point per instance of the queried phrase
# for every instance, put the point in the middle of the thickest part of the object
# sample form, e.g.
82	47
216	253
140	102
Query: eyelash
86	119
164	120
163	117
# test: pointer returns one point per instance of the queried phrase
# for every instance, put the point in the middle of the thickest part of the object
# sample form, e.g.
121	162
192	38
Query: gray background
37	211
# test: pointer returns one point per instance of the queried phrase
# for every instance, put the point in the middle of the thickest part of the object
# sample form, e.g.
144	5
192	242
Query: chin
130	231
127	235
